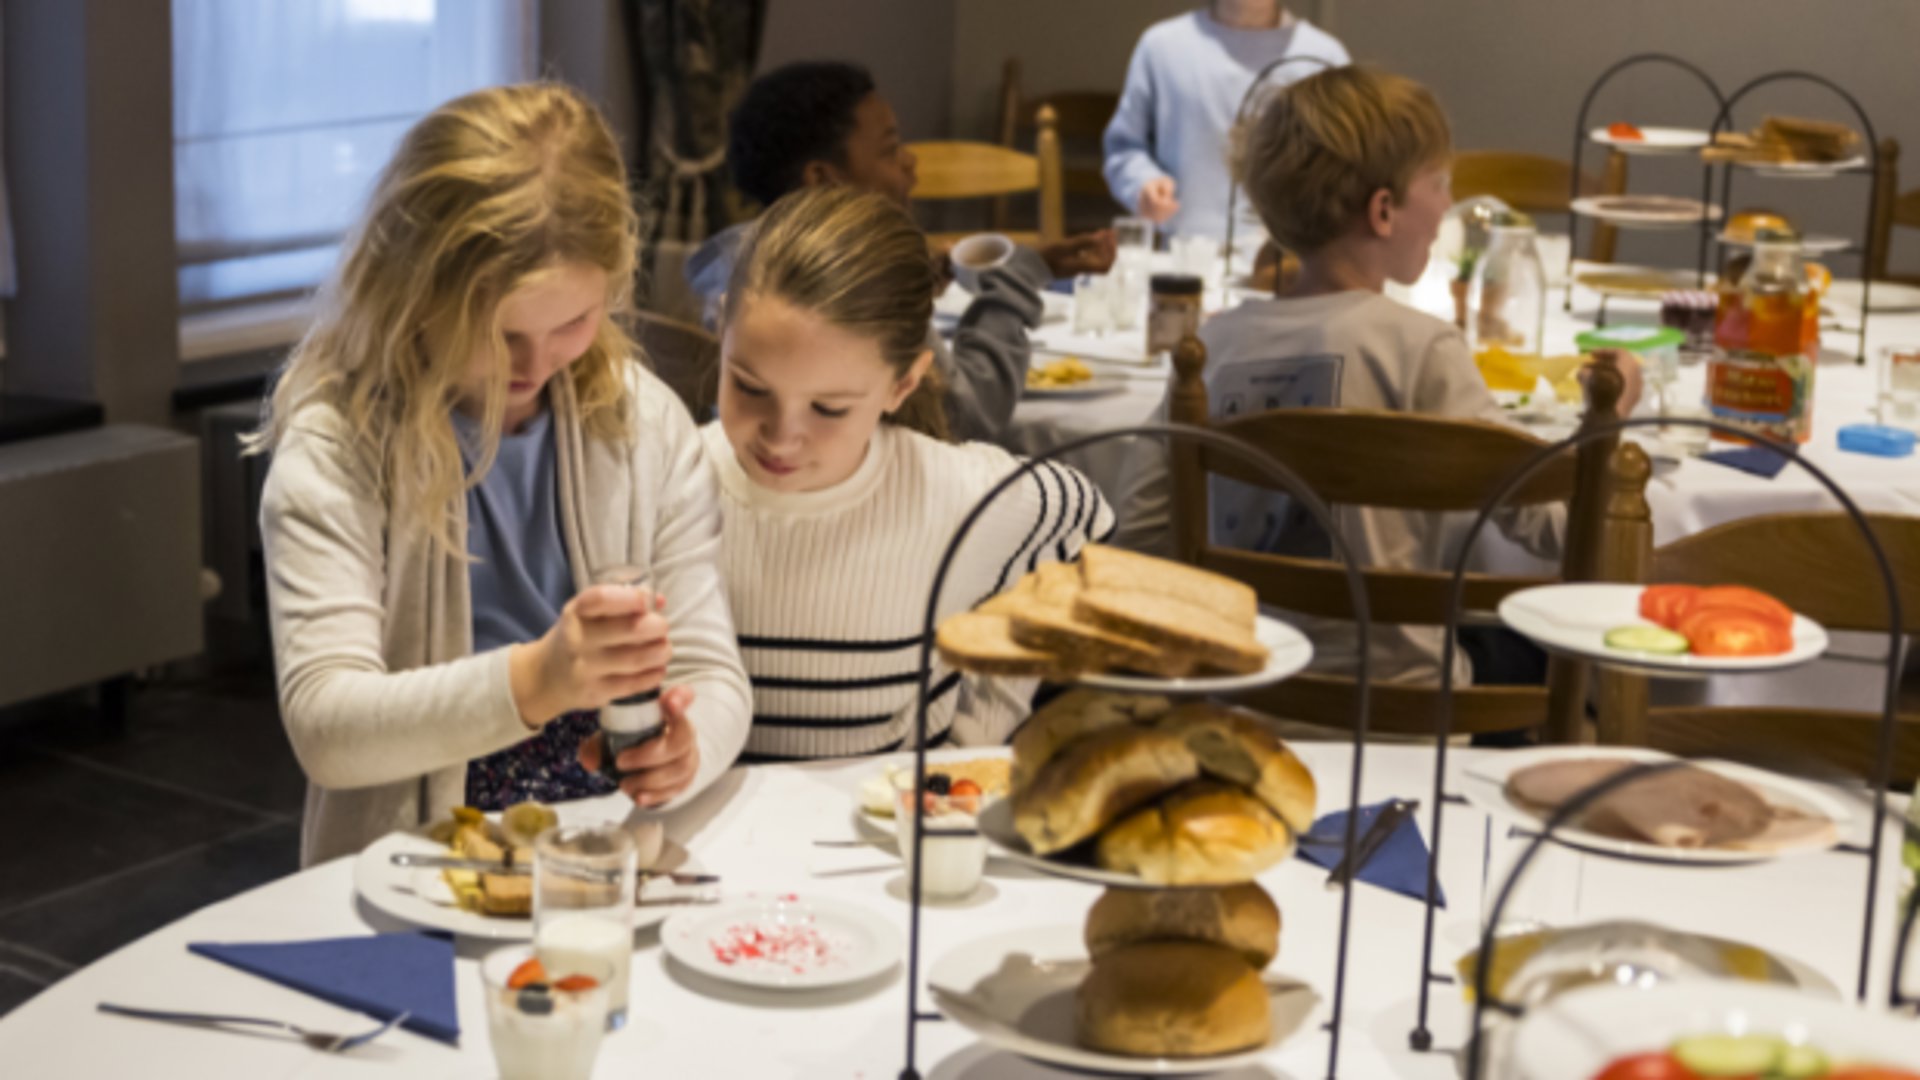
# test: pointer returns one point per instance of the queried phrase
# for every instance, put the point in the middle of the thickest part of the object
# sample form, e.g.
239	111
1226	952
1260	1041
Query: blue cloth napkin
1759	460
382	976
1399	866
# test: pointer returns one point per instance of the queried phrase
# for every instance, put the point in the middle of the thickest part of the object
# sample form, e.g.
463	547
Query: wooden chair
1890	211
1819	566
1534	184
685	356
975	170
1400	461
1080	121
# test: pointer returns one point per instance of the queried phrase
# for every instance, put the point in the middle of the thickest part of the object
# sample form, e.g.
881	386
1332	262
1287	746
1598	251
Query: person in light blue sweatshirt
1166	147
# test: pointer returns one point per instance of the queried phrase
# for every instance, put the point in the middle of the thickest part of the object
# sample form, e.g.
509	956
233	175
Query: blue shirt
1176	113
520	577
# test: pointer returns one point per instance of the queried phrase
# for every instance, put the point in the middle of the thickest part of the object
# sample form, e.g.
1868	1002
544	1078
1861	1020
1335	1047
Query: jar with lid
1173	312
1507	294
1766	338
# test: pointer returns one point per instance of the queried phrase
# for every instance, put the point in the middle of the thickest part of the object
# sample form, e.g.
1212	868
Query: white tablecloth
756	829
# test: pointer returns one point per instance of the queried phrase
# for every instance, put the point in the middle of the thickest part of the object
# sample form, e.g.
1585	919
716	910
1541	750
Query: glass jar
1766	339
1173	312
1507	294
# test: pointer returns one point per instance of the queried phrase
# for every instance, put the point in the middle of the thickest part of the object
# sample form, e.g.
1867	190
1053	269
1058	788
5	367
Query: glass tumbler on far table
1092	310
1900	386
544	1031
584	881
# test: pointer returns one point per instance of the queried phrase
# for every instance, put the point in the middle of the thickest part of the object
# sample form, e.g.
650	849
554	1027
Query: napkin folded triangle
382	976
1399	866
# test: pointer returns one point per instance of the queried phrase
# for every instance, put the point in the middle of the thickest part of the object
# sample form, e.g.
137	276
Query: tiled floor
111	836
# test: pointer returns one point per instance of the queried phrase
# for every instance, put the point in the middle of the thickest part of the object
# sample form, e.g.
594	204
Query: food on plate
1070	716
983	779
1747	1056
1719	620
1667	205
1688	807
469	834
1234	747
1539	965
1112	610
1066	371
1747	225
1091	783
1201	833
1785	139
1625	131
1173	999
1240	917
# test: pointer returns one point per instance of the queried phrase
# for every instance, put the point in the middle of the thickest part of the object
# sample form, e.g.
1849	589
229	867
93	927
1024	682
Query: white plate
421	897
1098	386
1484	784
1645	282
1016	991
1645	211
856	943
1288	653
1816	244
1574	1036
1886	296
1805	170
1658	140
1575	618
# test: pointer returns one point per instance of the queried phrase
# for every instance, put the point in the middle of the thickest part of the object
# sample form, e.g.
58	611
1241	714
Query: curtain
7	280
692	60
284	112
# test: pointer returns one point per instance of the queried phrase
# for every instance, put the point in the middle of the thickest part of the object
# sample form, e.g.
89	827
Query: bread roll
1240	917
1173	999
1239	748
1097	779
1072	715
1203	833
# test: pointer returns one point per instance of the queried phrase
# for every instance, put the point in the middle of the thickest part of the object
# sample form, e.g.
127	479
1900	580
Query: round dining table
757	829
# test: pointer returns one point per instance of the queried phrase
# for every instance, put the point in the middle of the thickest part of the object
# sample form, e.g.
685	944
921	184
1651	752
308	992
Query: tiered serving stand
1281	479
1421	1037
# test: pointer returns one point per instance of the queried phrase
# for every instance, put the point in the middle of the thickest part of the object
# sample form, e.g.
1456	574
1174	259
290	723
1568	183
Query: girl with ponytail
840	489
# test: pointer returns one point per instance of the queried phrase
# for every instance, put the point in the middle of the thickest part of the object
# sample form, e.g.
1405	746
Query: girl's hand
609	642
658	769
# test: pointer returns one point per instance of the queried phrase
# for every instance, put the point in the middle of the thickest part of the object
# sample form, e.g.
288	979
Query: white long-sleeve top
829	588
1176	113
381	692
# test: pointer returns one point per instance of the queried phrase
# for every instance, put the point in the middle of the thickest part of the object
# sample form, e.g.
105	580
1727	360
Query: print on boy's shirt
1261	519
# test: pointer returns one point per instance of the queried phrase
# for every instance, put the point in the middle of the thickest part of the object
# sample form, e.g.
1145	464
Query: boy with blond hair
1350	171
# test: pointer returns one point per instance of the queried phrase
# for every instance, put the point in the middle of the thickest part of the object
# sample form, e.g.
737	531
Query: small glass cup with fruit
545	1022
954	850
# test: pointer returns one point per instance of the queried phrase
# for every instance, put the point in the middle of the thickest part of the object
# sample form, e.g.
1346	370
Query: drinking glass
544	1032
954	863
1092	310
584	880
1132	234
1900	386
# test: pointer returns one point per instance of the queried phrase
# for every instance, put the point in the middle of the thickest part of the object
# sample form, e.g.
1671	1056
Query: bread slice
1103	567
1017	596
1043	619
983	644
1174	624
1072	716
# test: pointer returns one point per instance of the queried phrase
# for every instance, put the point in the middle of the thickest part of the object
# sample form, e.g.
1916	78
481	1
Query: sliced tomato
1726	631
1871	1072
1622	130
1739	596
1660	1066
1668	604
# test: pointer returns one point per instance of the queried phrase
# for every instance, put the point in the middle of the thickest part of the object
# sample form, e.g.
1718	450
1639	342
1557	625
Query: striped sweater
829	588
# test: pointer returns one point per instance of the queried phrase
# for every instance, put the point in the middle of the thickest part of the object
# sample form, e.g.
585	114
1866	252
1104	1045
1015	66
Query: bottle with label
1766	339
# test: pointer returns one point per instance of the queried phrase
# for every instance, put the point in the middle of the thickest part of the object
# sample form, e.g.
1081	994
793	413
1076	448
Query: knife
1371	841
484	866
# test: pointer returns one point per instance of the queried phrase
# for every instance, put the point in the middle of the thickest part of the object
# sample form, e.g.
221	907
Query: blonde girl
839	491
460	442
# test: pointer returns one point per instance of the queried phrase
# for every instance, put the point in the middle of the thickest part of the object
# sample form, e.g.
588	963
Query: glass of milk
955	852
540	1031
584	880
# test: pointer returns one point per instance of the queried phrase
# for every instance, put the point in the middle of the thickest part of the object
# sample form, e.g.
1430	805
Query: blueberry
534	1000
939	783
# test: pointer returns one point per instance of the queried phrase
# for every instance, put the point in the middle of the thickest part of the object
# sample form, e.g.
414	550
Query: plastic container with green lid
1658	348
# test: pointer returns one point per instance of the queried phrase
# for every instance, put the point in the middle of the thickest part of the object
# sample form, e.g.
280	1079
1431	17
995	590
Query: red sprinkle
799	948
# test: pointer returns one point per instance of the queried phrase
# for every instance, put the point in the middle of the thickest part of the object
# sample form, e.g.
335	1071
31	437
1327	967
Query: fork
319	1040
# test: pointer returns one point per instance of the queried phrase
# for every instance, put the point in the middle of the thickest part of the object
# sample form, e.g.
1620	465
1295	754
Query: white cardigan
380	692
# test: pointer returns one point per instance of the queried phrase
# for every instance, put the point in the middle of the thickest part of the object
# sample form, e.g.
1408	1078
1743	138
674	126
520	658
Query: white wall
907	44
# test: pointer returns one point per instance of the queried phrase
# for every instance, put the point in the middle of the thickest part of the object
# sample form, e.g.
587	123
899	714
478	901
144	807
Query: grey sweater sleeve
986	367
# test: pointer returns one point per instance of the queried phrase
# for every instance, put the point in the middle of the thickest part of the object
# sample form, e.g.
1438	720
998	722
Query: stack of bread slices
1113	610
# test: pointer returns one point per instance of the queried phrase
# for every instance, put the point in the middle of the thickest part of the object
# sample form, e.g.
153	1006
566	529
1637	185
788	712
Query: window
284	113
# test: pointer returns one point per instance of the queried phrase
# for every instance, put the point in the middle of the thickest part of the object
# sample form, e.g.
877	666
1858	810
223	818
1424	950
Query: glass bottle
1507	294
1766	339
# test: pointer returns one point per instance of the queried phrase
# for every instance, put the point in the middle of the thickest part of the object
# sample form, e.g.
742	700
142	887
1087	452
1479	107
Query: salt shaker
634	719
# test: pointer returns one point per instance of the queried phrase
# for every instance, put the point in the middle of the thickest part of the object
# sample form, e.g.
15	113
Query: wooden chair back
1817	564
1080	120
951	170
1892	209
1401	461
685	356
1535	184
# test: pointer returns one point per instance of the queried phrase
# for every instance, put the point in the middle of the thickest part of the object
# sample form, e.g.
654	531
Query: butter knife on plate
485	866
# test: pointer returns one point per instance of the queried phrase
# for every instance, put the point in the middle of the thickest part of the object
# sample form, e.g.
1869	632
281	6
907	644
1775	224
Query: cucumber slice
1647	639
1729	1055
1801	1063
